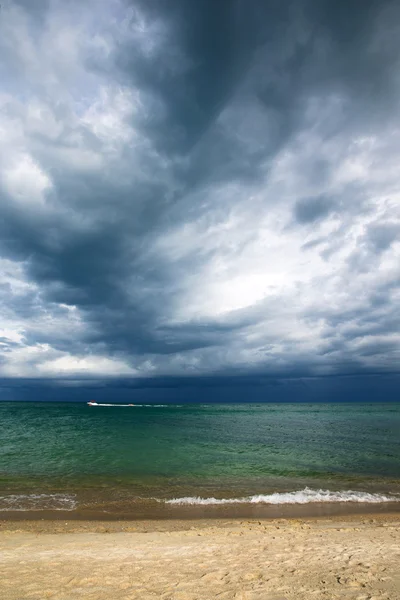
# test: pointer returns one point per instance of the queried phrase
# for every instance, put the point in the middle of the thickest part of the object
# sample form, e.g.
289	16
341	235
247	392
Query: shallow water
68	456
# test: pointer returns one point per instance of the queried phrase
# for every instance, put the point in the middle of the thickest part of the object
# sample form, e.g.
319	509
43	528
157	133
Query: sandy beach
354	557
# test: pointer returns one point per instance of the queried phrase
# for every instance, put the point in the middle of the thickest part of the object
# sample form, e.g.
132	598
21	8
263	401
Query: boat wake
129	405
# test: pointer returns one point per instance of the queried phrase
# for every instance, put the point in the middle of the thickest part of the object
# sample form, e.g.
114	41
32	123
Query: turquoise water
104	454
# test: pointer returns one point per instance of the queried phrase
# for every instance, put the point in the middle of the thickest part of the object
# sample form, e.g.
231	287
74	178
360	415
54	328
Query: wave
305	496
68	502
21	502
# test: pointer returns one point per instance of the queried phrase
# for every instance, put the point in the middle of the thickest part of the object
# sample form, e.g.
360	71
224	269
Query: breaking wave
37	502
299	497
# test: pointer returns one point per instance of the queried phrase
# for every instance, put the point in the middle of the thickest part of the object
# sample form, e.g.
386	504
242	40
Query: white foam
122	405
305	496
133	405
20	502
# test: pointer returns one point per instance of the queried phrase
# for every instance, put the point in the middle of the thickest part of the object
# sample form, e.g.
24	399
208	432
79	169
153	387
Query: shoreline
150	511
102	525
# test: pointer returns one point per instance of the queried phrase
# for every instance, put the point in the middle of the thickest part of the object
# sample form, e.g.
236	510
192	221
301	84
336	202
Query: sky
200	199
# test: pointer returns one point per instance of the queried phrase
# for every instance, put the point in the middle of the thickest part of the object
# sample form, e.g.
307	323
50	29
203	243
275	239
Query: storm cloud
195	189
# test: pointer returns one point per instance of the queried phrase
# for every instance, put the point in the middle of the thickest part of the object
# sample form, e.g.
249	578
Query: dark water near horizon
71	456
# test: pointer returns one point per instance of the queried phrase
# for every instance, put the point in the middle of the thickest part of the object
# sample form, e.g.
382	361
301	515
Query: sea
60	460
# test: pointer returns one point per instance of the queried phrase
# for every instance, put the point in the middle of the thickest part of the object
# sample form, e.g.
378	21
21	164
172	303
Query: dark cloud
308	210
209	49
350	388
382	235
153	153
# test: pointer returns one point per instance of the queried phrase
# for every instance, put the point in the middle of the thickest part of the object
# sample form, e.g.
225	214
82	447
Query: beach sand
356	557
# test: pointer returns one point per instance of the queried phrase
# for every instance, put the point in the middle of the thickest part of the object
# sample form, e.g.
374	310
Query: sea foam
21	502
305	496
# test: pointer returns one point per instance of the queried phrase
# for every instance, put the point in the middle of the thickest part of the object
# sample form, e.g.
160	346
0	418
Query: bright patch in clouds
25	181
93	365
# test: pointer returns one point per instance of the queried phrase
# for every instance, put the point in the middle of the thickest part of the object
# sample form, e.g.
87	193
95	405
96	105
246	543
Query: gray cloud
382	235
153	156
308	210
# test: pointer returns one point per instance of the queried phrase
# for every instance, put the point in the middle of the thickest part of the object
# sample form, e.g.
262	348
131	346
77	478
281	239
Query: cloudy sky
199	191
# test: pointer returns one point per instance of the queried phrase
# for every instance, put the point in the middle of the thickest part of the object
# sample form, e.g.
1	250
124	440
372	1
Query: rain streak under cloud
198	189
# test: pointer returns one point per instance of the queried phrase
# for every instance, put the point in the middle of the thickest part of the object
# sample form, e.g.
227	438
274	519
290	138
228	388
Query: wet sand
149	509
355	557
